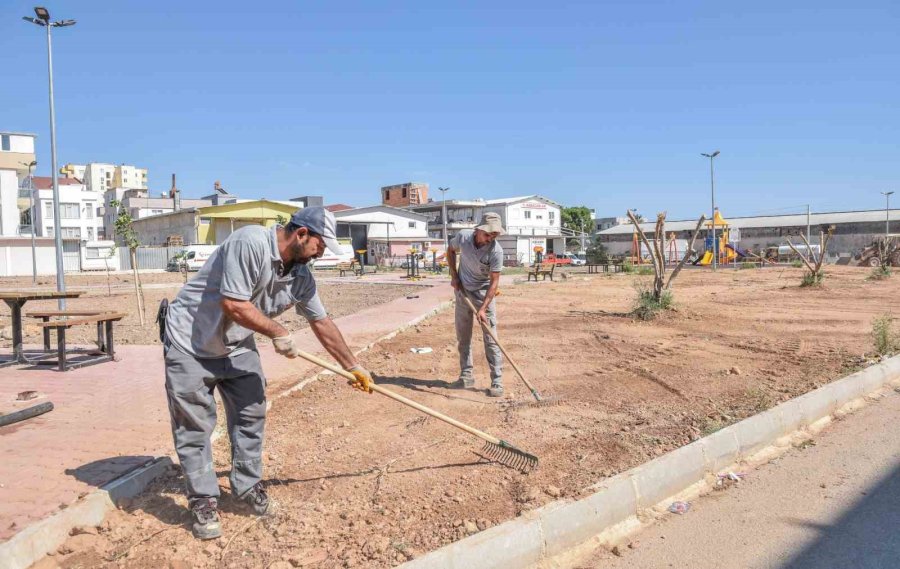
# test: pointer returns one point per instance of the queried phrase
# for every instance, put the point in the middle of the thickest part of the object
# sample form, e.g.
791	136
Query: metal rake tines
509	455
542	402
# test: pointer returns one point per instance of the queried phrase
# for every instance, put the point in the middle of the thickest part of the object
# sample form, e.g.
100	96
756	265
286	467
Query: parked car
192	258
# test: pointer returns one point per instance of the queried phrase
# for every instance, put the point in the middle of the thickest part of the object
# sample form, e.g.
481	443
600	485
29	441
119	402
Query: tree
814	275
578	219
597	252
659	296
125	231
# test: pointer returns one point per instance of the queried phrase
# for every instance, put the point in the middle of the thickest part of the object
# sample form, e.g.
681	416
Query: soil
339	298
360	481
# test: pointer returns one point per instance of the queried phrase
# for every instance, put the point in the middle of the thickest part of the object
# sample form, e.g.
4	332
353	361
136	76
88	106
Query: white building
530	221
16	152
78	209
100	176
385	232
141	204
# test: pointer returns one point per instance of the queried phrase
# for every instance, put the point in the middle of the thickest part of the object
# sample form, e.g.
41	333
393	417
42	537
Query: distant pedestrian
478	276
253	276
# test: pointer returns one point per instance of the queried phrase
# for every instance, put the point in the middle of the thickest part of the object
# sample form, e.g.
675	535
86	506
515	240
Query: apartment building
405	195
16	152
79	210
100	176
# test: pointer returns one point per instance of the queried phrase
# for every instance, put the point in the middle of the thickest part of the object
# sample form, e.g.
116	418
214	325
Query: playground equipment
412	264
640	255
538	254
726	251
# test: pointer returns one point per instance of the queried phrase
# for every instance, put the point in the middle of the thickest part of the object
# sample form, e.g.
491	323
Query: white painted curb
37	540
541	534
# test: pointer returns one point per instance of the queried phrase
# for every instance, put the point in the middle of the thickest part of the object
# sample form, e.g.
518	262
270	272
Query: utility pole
31	166
807	225
43	19
444	216
887	212
712	187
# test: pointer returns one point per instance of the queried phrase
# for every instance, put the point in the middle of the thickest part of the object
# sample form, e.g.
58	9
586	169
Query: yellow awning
720	221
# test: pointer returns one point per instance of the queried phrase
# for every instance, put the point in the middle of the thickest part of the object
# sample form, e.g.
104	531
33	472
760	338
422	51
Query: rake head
537	402
510	456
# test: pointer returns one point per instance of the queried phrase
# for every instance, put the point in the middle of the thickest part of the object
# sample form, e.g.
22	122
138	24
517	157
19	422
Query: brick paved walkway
111	418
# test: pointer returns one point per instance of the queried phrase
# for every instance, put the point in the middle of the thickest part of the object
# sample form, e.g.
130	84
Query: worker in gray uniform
478	276
252	277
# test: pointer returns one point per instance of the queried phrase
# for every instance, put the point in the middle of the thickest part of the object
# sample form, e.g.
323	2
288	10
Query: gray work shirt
476	263
246	266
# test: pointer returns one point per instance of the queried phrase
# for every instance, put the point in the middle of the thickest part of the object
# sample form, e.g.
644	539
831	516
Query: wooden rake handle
491	333
400	399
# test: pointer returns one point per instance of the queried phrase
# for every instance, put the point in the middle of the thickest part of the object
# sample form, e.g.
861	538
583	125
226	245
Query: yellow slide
707	259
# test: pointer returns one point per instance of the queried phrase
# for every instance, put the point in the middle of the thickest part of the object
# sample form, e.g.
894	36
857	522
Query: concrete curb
37	540
538	536
34	542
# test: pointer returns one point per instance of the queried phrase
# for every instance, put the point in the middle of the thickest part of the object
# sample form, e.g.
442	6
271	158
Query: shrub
644	271
812	279
746	265
879	273
627	267
797	263
647	306
884	336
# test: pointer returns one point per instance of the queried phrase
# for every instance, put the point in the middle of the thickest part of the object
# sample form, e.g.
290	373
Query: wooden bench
346	267
67	319
543	269
615	266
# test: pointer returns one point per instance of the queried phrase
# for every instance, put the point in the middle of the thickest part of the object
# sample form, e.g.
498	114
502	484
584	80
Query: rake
540	400
494	448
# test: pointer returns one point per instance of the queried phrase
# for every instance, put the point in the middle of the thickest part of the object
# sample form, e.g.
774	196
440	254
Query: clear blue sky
606	104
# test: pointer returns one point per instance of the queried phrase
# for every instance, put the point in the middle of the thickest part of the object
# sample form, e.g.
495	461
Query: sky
603	104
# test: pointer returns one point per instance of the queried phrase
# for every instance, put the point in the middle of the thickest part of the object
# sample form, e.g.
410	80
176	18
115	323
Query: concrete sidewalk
111	418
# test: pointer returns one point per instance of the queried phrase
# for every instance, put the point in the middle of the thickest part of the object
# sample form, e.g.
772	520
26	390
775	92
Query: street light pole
31	165
444	216
43	19
807	224
712	187
887	212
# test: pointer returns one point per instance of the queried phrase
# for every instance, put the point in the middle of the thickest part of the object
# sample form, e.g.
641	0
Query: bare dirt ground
359	481
340	299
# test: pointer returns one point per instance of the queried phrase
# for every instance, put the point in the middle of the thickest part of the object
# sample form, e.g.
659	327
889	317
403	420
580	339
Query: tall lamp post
43	19
31	166
887	212
444	216
712	187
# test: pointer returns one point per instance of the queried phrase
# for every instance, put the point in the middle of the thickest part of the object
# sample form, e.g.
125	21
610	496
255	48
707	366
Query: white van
330	260
193	257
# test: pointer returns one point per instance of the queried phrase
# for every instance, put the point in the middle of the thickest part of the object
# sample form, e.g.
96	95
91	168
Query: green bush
812	279
797	264
627	267
645	270
885	338
747	265
647	306
879	273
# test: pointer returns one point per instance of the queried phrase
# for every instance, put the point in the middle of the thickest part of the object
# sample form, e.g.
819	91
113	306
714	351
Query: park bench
614	266
543	269
65	319
346	267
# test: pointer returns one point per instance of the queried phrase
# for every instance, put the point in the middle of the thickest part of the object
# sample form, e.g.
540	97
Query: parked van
330	260
193	257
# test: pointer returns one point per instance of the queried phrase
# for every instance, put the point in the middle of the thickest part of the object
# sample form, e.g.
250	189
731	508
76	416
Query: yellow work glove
285	346
363	381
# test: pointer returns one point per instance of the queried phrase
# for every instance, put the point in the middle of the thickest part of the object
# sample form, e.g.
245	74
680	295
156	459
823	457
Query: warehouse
853	230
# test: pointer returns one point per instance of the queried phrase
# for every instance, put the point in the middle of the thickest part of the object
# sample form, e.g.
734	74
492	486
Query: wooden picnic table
16	300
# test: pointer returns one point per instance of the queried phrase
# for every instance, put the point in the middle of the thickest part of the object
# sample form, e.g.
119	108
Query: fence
148	257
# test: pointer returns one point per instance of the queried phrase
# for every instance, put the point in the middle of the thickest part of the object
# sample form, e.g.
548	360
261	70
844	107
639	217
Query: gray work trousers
465	320
190	383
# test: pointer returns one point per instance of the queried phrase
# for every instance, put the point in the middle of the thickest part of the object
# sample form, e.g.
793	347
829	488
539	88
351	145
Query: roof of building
482	202
46	182
18	133
379	207
338	207
790	220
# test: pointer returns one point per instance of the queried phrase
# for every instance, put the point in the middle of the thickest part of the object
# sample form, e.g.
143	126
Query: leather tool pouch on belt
161	319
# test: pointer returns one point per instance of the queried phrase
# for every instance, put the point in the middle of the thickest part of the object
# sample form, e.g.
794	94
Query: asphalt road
834	505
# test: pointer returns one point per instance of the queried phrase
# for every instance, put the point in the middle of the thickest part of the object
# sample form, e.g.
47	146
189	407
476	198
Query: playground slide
706	260
738	250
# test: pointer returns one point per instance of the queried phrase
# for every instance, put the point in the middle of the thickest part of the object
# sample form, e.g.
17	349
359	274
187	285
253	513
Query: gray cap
320	221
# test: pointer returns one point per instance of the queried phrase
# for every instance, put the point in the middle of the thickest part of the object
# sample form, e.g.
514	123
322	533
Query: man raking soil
480	263
254	275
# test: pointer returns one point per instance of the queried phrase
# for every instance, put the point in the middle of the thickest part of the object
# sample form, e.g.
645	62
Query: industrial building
853	230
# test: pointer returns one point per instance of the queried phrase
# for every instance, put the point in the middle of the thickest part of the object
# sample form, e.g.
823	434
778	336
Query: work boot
496	389
205	513
257	499
464	382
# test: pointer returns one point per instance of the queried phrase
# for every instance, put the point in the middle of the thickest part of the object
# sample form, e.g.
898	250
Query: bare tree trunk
687	253
138	293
